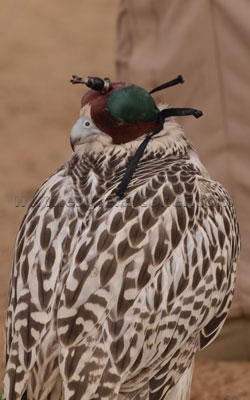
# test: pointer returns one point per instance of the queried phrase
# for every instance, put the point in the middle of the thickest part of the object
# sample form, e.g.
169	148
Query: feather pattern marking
111	298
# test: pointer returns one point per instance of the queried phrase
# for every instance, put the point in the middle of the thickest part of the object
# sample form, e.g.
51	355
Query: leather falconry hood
126	111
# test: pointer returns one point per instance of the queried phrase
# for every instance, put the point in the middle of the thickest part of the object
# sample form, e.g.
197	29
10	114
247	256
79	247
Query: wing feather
123	287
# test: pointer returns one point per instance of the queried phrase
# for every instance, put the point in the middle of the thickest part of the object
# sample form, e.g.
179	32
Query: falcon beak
84	131
72	144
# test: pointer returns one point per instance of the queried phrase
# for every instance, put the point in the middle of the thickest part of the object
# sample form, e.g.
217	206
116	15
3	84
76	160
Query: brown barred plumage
109	298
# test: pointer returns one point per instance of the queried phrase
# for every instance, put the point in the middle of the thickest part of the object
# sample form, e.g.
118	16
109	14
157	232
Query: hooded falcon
125	261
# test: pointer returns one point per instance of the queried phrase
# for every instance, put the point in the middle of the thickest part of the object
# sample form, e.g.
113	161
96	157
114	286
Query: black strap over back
164	114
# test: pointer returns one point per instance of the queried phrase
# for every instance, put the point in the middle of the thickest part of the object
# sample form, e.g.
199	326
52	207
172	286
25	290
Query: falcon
125	262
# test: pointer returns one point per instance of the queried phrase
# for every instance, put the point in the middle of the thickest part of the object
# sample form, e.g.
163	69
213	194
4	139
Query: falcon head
119	110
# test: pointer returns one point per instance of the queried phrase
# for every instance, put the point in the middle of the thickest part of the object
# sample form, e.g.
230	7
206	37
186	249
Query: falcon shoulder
117	295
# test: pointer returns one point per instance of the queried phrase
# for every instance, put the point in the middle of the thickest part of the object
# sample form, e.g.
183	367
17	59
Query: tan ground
42	43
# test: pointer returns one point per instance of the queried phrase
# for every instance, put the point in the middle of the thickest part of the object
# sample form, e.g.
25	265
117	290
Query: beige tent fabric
208	41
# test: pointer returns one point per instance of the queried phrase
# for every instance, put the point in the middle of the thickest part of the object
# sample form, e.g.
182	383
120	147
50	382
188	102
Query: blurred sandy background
43	43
